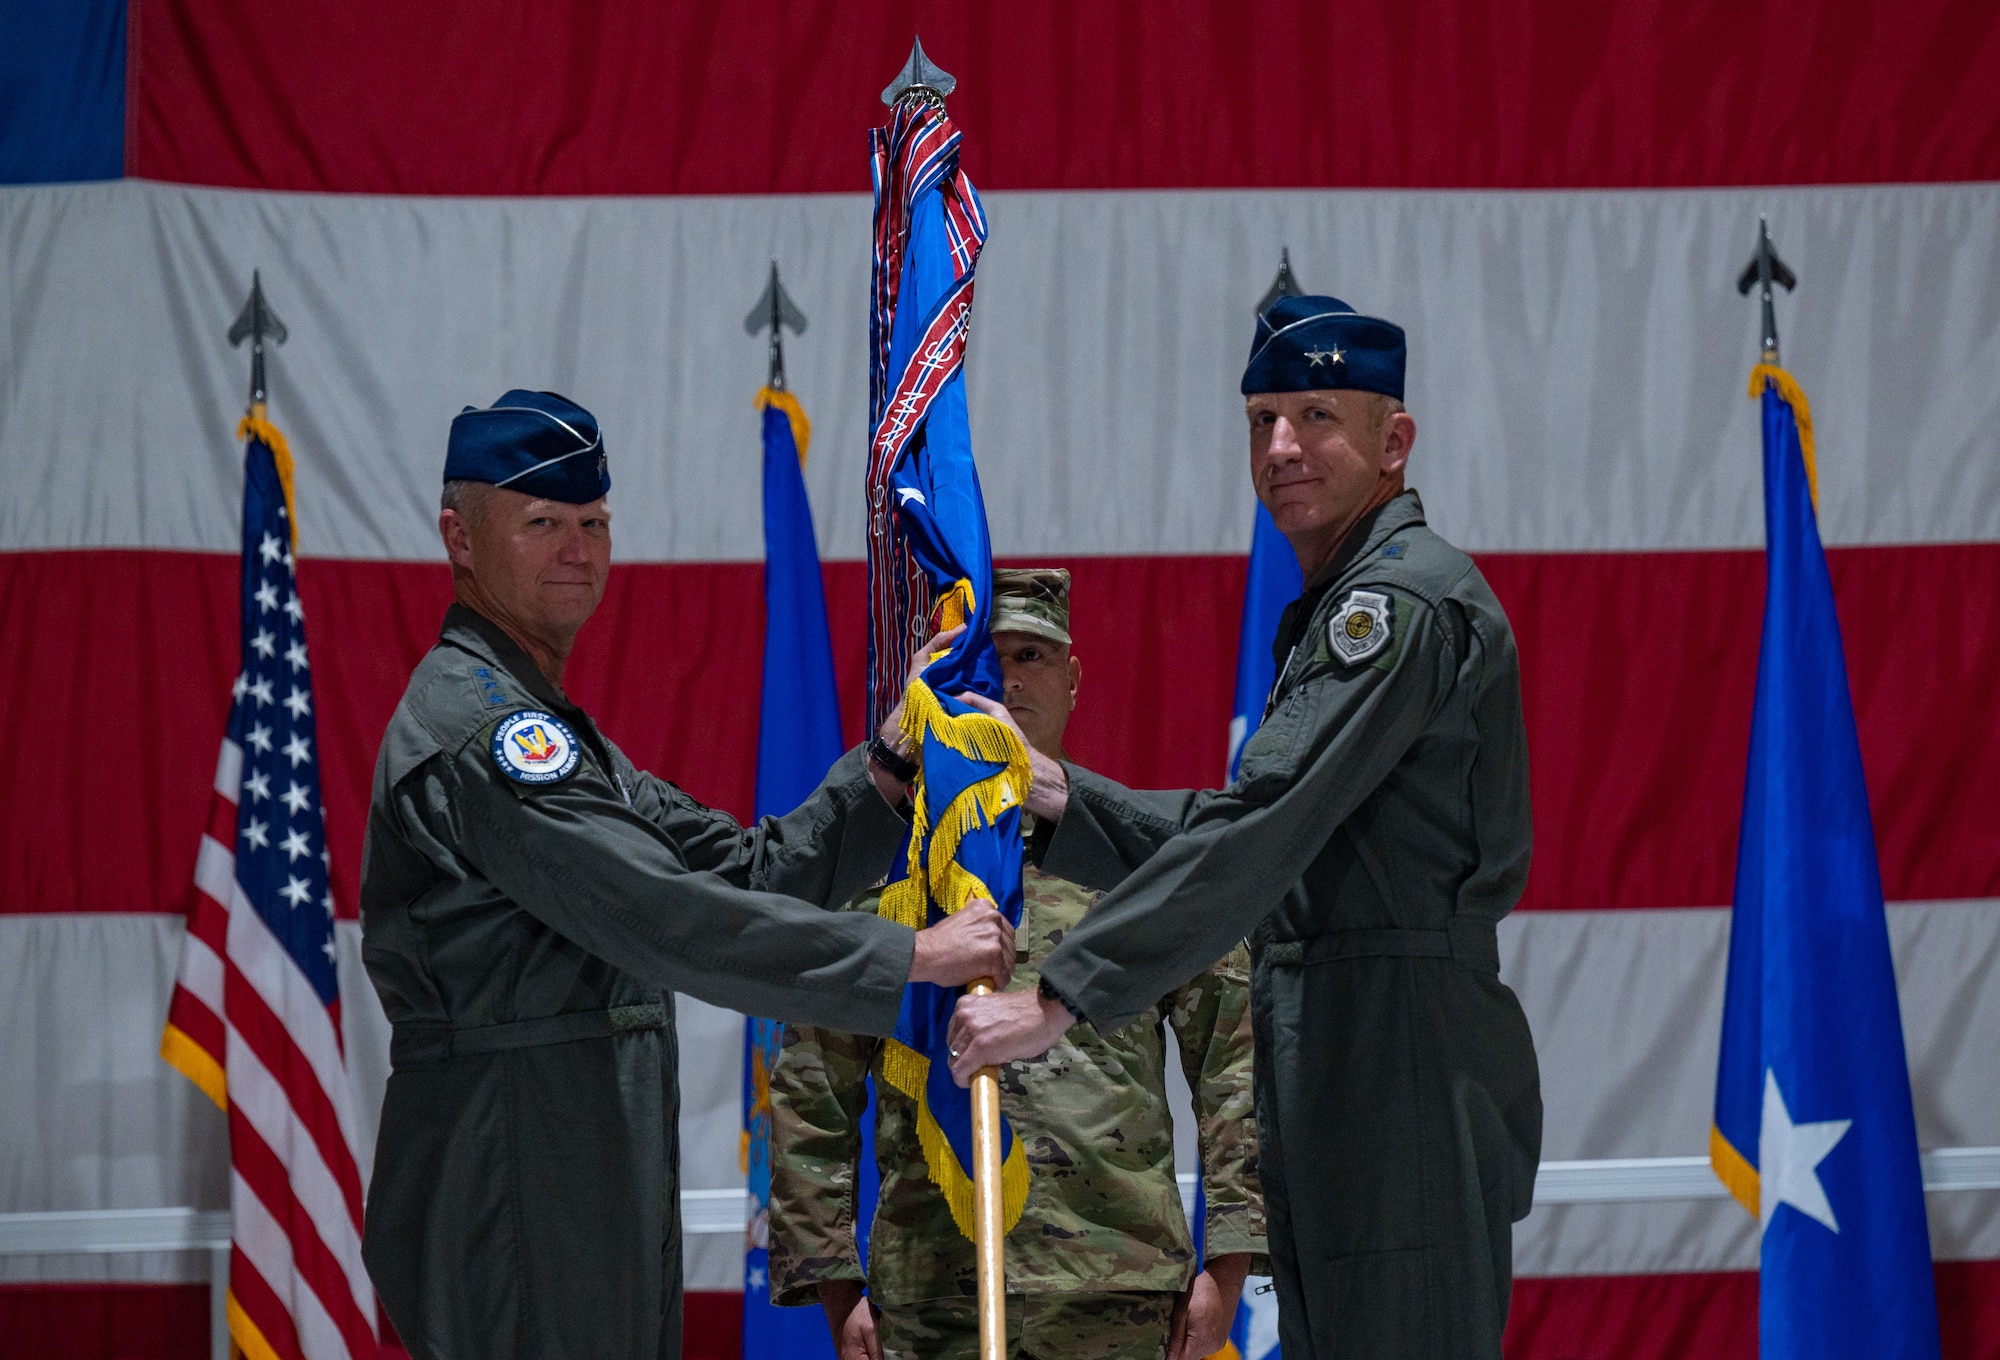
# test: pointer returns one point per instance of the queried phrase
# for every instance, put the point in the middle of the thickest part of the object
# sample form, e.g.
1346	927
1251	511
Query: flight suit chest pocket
1274	748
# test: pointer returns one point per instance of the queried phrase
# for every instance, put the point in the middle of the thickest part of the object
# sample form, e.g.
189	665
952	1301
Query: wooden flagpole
990	1232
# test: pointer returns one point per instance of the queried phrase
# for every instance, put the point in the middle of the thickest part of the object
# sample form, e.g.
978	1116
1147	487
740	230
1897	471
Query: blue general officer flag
1814	1131
798	740
1274	581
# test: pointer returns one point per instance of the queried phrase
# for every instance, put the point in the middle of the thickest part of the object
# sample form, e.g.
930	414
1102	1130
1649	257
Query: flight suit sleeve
826	850
1323	750
1211	1023
587	864
819	1096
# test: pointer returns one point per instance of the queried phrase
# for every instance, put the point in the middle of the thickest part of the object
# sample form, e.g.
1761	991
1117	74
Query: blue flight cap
537	443
1307	344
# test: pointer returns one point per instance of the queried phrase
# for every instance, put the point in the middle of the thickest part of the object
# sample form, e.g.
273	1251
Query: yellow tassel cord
1735	1173
257	423
907	1071
195	1063
802	429
1795	397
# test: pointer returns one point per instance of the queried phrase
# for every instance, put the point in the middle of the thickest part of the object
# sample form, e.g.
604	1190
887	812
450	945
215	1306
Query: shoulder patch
533	747
1361	626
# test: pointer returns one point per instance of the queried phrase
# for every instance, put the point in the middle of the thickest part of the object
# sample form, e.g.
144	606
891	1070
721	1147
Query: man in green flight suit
1101	1265
530	901
1378	831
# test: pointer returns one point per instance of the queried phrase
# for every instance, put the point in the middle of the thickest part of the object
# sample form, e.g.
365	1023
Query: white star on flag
911	494
260	690
296	891
258	785
259	736
237	690
299	750
267	596
296	654
257	833
1788	1158
299	702
270	549
295	845
265	642
296	797
295	609
756	1277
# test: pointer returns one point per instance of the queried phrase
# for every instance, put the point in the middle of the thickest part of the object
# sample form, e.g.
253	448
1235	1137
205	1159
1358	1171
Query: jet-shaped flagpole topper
257	321
776	310
1765	269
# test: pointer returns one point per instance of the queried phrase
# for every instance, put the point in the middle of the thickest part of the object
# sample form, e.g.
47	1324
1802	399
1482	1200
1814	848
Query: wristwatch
899	768
1052	994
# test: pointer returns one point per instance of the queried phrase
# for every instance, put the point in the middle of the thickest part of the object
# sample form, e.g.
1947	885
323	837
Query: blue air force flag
1814	1132
798	740
1274	582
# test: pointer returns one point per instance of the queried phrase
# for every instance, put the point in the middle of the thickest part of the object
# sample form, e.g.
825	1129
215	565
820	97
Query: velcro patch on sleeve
533	747
1361	627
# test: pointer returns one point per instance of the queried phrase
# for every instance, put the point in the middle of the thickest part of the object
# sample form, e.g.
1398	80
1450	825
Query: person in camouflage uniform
1101	1264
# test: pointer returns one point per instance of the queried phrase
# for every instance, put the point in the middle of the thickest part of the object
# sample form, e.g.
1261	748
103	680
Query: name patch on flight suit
1360	627
533	747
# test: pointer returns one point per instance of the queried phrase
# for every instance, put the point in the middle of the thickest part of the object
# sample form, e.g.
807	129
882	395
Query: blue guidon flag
928	542
1814	1132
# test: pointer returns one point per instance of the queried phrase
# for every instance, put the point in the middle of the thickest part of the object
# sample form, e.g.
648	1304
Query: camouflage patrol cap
1032	600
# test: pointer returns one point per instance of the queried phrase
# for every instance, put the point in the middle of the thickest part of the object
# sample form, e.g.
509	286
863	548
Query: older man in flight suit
1101	1265
1378	831
529	902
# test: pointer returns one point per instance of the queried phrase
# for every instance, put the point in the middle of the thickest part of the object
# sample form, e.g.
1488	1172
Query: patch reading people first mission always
1360	627
533	747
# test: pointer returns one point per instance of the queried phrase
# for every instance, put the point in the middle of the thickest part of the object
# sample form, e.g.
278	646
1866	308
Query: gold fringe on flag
1795	397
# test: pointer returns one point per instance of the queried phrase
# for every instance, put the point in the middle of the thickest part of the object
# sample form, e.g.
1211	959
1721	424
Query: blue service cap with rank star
1310	344
538	443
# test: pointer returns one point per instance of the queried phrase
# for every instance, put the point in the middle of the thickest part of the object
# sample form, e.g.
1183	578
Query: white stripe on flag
261	1099
229	770
272	973
262	1240
201	973
215	871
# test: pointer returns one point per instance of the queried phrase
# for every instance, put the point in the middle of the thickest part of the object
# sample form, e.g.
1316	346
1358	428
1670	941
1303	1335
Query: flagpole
986	1192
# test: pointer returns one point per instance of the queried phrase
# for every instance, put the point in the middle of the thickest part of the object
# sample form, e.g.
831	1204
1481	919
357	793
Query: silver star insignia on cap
1316	357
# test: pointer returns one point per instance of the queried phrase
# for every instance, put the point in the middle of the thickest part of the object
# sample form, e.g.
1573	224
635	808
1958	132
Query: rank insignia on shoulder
1394	550
533	747
489	688
1360	627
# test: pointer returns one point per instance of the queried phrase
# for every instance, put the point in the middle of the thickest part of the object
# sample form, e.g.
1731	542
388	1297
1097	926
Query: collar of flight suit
1402	511
472	632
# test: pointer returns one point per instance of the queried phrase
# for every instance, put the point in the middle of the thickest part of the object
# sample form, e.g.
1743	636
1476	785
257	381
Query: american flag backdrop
255	1016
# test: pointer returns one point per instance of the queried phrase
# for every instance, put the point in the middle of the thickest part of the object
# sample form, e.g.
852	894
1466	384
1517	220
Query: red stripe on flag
187	1014
266	1036
522	98
312	1261
1638	670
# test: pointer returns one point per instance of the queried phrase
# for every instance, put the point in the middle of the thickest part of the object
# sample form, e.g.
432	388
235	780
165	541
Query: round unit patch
1360	627
532	747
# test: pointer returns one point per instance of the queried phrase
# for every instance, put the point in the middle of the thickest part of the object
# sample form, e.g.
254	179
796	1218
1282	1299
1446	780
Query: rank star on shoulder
1788	1158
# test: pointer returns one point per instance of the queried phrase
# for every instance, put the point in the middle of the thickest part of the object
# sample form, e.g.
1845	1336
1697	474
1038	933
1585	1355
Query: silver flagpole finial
919	80
776	310
258	321
1765	269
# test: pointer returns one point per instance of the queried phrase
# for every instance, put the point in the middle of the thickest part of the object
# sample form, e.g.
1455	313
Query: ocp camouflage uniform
1102	1248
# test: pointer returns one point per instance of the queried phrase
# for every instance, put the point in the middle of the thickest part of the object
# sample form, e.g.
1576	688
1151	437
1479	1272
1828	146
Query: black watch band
899	768
1052	994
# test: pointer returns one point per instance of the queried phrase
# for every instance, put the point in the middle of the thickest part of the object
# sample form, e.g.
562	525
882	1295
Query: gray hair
468	499
1380	409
